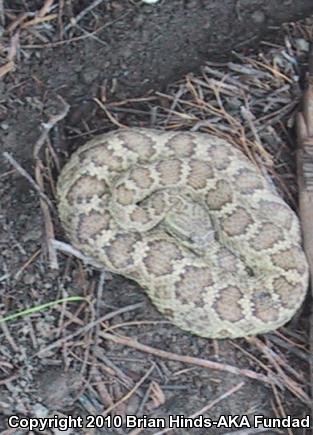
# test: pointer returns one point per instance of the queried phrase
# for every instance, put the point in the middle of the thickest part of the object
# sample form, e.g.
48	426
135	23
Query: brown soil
85	373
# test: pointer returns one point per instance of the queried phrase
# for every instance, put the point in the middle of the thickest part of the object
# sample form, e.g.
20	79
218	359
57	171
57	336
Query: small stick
69	249
38	20
130	392
305	184
25	265
81	15
212	365
25	174
45	8
111	117
43	138
47	126
86	328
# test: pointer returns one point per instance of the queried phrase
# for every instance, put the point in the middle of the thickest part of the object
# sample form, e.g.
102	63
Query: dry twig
49	230
28	177
212	365
86	328
305	182
81	15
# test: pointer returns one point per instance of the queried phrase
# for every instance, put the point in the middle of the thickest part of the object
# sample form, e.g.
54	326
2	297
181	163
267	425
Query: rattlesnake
193	221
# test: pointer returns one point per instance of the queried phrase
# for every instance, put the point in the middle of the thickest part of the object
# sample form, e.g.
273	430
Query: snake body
193	221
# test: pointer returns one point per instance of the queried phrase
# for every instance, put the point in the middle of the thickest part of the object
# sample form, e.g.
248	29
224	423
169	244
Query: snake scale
193	221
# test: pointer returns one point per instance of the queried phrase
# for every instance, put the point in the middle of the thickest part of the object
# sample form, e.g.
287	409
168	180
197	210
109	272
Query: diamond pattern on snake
194	222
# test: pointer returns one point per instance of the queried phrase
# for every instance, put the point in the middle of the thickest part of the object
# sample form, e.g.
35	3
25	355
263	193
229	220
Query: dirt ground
87	357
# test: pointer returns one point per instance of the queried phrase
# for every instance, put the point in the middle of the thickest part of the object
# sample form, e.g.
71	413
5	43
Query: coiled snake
192	220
